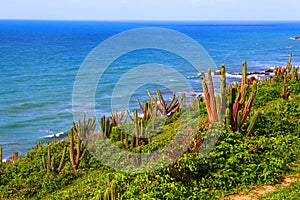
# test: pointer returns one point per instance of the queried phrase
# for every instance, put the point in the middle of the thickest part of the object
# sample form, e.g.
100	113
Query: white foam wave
292	38
189	94
52	135
233	75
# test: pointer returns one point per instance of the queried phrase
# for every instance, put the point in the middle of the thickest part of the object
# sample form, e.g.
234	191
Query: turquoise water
39	61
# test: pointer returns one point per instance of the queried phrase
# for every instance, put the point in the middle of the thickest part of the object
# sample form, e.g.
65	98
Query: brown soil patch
259	191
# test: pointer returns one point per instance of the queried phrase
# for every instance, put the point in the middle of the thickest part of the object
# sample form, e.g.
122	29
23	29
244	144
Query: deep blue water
39	61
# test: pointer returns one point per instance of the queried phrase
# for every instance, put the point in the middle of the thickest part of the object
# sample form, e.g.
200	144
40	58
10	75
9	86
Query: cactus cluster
239	102
158	106
80	150
215	104
50	164
106	127
118	119
236	107
84	129
287	73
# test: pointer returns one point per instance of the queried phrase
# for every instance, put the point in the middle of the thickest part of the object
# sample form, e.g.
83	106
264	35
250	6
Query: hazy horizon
146	10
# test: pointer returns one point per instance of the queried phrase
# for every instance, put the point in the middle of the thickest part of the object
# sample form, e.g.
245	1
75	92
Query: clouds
151	9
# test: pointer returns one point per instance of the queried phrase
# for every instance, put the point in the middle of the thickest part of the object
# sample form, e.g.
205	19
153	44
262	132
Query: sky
177	10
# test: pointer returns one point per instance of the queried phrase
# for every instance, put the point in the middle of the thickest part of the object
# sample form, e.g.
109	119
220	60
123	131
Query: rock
270	70
218	72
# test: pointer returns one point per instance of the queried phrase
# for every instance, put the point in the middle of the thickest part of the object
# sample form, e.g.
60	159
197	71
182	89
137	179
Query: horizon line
149	20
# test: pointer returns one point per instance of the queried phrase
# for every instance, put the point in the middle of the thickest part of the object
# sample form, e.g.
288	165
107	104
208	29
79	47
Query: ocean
39	62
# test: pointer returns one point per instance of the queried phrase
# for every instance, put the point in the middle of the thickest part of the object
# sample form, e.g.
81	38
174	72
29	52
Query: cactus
80	152
244	76
15	156
145	109
294	75
54	139
207	99
286	73
160	104
49	159
106	194
106	127
84	129
215	110
117	120
223	91
239	93
238	106
183	100
62	160
252	123
285	93
43	163
113	190
49	166
39	145
1	155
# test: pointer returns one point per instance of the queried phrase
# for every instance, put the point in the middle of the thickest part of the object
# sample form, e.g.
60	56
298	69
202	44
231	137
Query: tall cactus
43	163
252	123
212	100
223	91
236	115
1	155
80	151
285	92
49	159
215	109
54	139
15	156
146	109
62	160
106	127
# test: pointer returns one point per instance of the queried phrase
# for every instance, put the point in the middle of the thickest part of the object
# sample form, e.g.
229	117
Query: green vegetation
258	145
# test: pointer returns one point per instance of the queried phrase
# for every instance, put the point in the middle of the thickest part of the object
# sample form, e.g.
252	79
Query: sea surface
39	61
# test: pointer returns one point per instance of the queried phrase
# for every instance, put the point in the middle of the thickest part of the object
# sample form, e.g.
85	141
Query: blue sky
151	9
